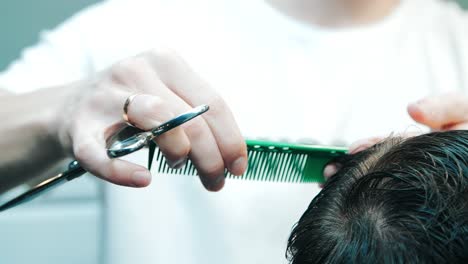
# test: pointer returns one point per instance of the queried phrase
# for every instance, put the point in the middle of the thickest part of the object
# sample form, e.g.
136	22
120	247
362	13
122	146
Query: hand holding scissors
152	87
74	120
118	148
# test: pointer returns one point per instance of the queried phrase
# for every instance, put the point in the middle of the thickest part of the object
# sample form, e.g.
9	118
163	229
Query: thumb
92	155
440	112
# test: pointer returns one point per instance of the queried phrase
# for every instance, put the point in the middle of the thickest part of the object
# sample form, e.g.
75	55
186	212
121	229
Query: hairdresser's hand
354	148
167	87
441	112
358	146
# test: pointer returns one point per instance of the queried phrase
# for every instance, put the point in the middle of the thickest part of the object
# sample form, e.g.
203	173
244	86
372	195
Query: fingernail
176	164
181	163
239	166
353	148
361	145
216	184
357	150
141	178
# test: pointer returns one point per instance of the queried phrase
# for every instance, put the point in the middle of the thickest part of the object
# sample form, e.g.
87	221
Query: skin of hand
438	112
92	111
441	112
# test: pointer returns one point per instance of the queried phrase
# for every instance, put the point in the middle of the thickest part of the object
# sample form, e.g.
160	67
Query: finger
330	170
205	154
460	126
185	83
92	155
363	144
147	112
441	111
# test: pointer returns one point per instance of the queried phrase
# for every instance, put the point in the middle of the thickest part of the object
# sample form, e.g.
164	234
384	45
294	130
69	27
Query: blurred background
62	226
19	26
65	226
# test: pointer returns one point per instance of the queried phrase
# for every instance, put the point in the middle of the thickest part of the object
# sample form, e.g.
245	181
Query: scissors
117	148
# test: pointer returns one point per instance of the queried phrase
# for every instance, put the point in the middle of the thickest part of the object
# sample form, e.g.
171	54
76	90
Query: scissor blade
74	171
185	117
172	124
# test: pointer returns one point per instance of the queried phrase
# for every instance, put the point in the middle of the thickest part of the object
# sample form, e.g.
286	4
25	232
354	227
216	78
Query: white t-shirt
281	78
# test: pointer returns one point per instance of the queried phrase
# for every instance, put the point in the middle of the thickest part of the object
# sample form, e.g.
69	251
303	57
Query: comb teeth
262	166
269	161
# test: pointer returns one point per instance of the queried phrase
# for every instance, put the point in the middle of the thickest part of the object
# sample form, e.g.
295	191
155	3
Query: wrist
57	118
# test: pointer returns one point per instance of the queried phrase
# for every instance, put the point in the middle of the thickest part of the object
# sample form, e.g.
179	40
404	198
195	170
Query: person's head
401	201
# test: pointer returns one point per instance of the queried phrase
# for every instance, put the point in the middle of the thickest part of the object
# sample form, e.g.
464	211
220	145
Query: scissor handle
117	149
142	139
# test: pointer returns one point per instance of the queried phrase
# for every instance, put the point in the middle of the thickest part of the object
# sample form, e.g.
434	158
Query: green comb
269	161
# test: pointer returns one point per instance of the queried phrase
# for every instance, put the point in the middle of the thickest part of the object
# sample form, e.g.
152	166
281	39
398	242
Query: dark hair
401	201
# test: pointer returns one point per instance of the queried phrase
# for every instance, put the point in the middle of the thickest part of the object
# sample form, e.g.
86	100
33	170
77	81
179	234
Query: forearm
28	135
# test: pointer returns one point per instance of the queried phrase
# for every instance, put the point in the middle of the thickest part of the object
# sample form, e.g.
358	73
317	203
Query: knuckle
111	173
195	129
217	104
152	104
129	69
81	152
164	54
150	111
99	100
164	60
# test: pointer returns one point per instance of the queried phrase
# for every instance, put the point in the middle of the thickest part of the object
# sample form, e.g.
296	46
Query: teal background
22	20
463	3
